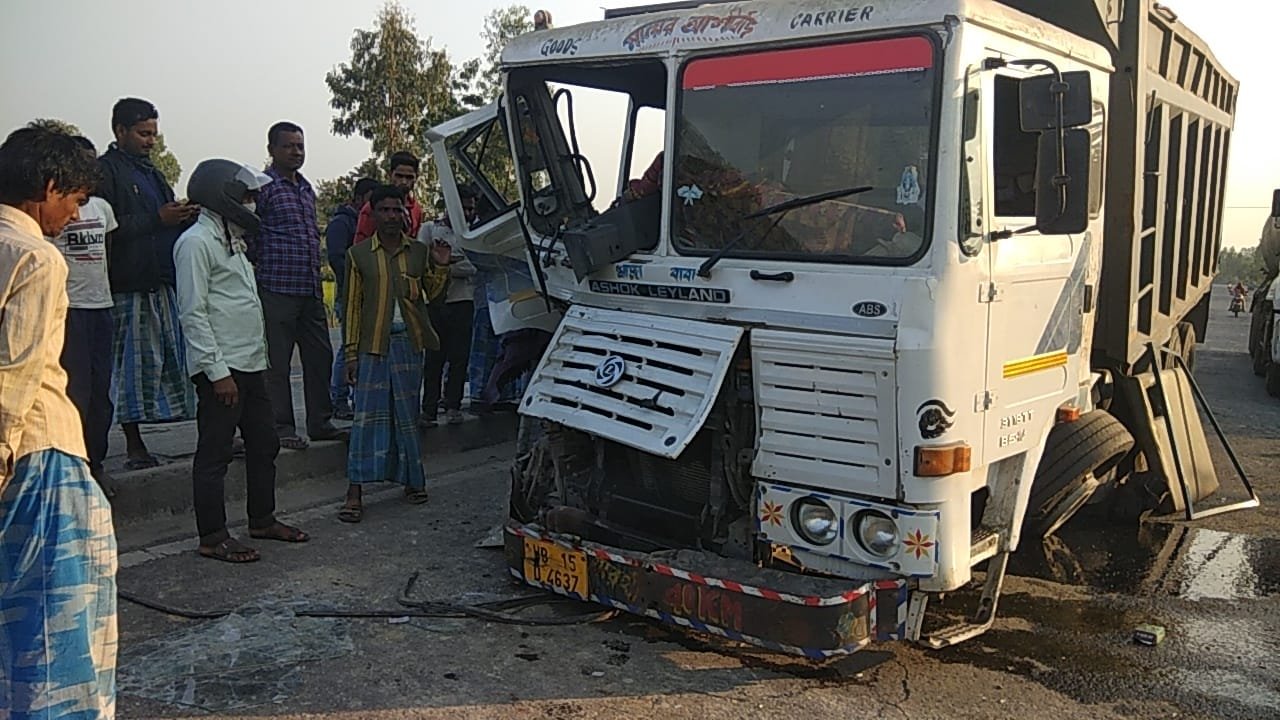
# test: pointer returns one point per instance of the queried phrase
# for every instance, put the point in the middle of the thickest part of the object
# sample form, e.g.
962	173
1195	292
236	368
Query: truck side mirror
1275	205
1062	188
1038	101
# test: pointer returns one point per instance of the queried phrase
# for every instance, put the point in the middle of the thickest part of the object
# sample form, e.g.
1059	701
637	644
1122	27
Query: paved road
1060	648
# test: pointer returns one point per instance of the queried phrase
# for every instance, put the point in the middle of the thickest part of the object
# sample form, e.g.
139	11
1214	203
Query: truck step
956	634
982	619
983	545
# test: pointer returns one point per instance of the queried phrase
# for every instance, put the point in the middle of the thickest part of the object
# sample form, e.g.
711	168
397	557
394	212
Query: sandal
230	550
281	532
351	513
142	463
415	496
293	442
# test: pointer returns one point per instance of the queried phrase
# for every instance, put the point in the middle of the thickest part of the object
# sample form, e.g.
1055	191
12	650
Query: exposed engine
570	481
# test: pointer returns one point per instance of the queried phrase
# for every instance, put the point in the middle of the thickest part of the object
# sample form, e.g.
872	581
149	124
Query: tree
161	156
165	161
499	27
55	125
394	88
1240	265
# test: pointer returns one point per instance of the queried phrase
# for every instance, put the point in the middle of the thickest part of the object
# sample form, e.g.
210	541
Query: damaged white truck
909	281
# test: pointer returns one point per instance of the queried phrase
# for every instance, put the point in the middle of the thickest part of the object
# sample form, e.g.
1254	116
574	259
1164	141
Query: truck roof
684	26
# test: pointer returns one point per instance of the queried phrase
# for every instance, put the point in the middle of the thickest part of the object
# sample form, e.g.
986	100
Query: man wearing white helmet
227	357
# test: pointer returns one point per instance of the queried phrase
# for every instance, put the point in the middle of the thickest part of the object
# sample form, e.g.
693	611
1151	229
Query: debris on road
1151	635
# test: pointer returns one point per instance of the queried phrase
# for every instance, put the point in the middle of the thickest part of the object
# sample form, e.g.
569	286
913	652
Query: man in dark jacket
338	237
150	353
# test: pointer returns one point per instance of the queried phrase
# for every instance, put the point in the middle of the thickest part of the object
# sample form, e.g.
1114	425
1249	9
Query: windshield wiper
781	209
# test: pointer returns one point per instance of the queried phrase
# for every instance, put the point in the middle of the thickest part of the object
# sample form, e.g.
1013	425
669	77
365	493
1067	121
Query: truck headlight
815	521
877	533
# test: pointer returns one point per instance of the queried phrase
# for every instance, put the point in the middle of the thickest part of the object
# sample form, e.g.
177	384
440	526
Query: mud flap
813	617
1165	421
1163	408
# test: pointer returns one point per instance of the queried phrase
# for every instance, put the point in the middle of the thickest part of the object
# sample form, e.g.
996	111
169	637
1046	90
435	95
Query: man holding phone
150	365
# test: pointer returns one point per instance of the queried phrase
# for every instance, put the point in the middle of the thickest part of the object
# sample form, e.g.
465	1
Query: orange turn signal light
1068	414
943	460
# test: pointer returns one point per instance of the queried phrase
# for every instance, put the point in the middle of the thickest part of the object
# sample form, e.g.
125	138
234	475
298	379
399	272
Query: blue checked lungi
384	445
57	592
339	390
486	347
484	344
150	383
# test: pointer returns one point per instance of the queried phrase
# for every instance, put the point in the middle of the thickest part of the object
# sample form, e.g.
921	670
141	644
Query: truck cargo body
946	329
1172	108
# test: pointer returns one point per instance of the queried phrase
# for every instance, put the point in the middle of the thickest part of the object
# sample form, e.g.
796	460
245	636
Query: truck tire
1078	457
1260	339
1273	380
1261	352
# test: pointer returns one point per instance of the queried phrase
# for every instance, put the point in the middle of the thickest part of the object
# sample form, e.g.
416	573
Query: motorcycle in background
1238	294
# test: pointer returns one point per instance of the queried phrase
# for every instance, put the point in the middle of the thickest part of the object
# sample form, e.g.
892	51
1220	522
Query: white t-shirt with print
84	245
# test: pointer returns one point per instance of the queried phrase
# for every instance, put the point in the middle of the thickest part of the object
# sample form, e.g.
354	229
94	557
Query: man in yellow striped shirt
391	279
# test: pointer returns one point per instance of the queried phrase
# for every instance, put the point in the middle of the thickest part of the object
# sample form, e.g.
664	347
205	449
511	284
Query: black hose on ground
499	611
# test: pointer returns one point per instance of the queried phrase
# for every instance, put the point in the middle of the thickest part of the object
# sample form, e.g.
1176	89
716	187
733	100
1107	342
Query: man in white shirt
57	544
221	316
87	352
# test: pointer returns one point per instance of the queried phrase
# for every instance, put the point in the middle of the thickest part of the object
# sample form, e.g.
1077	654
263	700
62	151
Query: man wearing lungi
57	545
390	281
150	378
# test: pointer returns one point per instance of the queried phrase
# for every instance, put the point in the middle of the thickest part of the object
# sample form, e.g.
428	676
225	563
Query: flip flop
150	461
351	513
293	442
230	550
280	532
328	433
415	496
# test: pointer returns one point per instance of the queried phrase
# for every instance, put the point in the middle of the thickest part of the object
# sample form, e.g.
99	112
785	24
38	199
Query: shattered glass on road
250	658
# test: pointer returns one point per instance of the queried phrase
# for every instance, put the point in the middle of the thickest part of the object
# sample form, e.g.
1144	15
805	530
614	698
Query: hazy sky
222	72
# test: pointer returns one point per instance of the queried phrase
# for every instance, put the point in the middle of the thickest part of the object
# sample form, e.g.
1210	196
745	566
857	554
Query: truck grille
673	371
827	411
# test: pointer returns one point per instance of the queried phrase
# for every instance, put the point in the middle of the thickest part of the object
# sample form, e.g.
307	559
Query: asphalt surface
1060	648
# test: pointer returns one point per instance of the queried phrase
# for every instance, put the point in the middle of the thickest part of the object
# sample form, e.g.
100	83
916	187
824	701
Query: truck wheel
1273	380
1261	350
1078	457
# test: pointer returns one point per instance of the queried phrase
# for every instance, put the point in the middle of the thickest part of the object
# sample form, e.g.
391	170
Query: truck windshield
762	128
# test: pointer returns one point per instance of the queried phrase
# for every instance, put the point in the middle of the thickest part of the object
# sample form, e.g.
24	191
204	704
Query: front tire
1078	458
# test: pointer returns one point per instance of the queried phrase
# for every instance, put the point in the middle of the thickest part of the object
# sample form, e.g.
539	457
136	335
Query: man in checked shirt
286	256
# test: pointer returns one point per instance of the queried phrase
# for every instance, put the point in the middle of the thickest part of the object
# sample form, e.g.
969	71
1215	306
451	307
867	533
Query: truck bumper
813	617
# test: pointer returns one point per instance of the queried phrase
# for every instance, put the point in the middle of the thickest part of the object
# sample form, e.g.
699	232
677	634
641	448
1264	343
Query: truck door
1038	339
474	151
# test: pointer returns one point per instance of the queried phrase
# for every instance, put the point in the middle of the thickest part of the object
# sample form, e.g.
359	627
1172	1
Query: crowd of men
121	304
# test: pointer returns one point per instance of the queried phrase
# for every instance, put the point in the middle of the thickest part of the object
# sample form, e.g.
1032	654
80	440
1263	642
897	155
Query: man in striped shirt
390	281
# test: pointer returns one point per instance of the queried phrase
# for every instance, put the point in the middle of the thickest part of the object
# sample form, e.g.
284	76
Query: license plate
546	563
